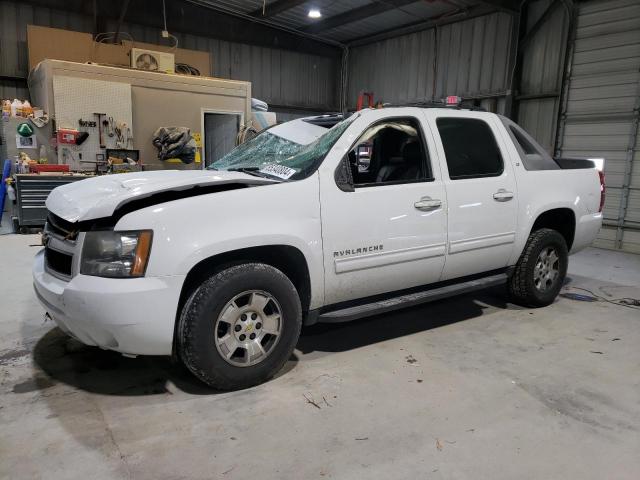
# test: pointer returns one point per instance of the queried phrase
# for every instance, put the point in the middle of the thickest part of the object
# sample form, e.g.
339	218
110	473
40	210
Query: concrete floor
469	387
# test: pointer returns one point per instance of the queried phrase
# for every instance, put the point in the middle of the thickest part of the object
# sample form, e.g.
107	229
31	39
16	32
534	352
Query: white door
481	191
389	232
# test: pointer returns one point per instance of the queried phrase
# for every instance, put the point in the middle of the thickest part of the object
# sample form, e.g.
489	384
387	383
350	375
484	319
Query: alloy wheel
547	269
248	328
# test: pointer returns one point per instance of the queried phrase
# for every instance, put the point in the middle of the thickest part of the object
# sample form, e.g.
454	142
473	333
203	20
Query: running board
410	300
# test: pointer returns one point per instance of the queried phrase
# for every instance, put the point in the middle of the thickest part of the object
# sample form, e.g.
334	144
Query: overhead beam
509	6
274	8
356	14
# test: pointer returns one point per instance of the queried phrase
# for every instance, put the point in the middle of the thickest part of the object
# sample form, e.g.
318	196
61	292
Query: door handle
502	195
427	203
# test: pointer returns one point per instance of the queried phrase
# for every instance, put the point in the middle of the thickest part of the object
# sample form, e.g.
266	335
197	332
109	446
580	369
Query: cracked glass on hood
298	145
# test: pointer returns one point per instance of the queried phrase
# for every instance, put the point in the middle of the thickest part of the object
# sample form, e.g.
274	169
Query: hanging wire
164	17
108	36
187	69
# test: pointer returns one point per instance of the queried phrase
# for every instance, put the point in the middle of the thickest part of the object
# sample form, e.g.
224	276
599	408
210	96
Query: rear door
481	191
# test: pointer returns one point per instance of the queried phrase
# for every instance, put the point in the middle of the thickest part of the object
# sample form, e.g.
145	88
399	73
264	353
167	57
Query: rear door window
470	148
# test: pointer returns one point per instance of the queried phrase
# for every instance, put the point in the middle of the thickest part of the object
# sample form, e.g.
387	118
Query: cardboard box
58	44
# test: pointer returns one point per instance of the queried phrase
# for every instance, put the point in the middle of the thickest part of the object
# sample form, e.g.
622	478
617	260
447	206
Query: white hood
100	196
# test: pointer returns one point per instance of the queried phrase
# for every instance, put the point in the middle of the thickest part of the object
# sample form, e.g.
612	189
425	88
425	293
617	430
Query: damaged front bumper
133	316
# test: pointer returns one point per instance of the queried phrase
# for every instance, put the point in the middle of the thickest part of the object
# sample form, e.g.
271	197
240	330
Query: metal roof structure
356	21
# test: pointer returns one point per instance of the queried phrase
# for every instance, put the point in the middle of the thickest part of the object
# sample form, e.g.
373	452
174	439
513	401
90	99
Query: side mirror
343	177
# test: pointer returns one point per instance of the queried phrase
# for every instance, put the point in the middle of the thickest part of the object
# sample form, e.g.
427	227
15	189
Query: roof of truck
328	120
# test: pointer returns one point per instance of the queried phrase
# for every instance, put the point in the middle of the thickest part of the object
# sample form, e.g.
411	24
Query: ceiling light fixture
314	13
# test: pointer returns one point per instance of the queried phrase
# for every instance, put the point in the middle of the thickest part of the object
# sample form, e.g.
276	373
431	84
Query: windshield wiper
255	171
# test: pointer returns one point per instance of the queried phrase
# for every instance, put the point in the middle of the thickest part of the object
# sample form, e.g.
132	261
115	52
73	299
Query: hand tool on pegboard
100	130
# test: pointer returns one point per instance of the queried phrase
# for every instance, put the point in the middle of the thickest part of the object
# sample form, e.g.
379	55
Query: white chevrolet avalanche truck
320	219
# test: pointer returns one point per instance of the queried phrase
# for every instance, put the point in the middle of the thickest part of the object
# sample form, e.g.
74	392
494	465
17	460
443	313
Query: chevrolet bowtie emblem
249	328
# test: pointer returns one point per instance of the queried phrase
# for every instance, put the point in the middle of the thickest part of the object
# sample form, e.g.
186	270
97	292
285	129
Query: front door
389	233
481	191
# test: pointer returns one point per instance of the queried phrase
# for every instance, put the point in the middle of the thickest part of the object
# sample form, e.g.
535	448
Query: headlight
116	254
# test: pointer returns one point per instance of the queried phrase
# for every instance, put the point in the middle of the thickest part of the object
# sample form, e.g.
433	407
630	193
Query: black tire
197	335
521	286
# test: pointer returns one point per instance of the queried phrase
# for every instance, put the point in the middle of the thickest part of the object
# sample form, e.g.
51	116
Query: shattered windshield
292	150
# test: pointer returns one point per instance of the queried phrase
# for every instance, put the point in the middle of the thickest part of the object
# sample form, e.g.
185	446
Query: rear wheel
240	326
541	269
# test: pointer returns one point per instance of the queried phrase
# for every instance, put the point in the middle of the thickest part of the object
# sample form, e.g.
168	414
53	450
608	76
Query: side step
410	300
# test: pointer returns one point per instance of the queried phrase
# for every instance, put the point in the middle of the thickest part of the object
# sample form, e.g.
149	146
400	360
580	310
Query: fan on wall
146	61
152	61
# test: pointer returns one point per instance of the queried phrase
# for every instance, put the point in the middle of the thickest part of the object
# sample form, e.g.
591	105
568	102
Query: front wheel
541	269
240	326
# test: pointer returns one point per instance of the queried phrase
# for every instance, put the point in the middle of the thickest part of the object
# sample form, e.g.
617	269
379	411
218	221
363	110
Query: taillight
602	189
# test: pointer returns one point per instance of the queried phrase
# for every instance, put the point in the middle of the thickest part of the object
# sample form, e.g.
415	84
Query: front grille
61	227
58	262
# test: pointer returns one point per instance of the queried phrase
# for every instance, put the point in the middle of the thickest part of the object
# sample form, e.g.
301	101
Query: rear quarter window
531	153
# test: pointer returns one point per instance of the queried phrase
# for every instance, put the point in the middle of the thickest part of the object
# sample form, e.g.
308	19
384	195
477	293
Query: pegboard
79	98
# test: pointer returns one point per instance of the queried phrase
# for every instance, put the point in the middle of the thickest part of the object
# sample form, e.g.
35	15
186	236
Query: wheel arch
563	220
286	258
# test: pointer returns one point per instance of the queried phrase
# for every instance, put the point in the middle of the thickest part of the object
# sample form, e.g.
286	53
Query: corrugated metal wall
14	58
468	58
603	109
541	77
278	76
